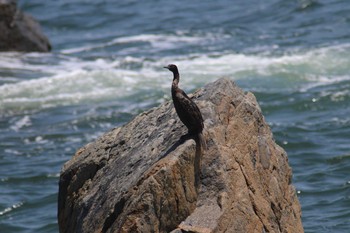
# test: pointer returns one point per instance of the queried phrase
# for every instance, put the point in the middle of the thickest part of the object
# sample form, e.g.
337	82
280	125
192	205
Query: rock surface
143	178
19	31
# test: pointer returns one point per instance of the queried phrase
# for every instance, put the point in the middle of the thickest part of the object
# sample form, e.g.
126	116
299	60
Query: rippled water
106	67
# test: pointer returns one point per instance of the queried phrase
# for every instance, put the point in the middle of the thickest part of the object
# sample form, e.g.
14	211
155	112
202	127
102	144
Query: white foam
73	81
23	62
320	80
9	209
321	66
12	151
156	41
23	122
88	81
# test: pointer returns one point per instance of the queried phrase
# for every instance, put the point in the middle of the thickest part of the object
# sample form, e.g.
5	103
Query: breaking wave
72	80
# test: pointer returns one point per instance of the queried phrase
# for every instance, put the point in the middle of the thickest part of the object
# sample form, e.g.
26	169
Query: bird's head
172	68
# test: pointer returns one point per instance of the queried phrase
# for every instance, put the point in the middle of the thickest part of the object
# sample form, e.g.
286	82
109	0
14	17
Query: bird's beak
165	67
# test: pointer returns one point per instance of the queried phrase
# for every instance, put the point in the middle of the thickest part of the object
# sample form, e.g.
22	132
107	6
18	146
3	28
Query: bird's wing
190	105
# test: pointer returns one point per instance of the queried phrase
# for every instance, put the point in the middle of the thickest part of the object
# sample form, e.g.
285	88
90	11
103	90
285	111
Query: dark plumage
186	109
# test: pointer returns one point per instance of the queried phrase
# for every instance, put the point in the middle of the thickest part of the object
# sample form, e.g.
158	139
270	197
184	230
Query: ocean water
106	67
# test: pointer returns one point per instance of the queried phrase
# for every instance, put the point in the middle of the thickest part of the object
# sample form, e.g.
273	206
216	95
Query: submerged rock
143	178
19	31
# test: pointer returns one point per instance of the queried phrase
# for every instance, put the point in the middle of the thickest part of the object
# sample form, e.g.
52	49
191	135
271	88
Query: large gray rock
19	31
143	178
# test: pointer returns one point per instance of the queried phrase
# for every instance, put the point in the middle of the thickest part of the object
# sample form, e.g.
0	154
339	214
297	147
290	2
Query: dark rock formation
142	178
19	31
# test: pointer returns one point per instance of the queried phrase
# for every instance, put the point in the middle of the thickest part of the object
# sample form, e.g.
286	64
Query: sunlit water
106	67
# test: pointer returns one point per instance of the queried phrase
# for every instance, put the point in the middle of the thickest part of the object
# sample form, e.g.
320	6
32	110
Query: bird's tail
202	142
201	146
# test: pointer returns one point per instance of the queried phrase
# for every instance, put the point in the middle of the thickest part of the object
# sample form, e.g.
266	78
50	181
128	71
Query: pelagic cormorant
186	109
191	116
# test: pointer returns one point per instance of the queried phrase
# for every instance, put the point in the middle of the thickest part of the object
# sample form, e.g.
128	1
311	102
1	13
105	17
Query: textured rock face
143	178
19	31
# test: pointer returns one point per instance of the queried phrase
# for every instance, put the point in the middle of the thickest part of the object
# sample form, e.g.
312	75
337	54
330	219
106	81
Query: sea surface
106	67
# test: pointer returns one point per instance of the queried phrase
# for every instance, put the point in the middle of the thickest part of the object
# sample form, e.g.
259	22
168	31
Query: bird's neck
176	80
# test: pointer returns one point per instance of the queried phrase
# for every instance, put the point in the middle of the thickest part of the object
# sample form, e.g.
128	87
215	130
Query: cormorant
186	109
191	116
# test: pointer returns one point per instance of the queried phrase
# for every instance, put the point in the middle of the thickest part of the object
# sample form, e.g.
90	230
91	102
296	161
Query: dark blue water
106	67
